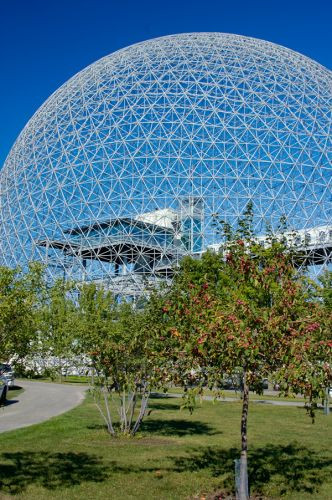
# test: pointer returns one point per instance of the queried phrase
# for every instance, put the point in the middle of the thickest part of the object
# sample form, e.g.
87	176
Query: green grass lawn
176	456
13	393
70	379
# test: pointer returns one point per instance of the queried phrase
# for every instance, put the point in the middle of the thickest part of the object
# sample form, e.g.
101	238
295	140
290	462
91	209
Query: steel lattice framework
120	172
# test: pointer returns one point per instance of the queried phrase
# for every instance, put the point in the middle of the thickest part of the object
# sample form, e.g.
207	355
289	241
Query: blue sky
45	42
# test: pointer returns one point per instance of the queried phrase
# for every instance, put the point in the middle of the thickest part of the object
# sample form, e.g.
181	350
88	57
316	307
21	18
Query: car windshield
5	368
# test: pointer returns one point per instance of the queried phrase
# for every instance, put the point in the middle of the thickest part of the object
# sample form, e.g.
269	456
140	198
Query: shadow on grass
168	428
160	395
11	402
285	469
177	427
288	468
160	405
49	470
97	427
15	388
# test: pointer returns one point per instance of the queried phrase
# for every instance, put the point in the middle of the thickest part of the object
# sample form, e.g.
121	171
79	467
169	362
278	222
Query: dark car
3	390
7	373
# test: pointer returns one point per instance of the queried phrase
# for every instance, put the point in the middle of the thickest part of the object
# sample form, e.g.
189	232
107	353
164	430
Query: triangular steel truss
214	117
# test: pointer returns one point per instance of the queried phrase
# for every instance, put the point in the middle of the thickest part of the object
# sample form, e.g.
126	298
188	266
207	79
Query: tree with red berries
245	308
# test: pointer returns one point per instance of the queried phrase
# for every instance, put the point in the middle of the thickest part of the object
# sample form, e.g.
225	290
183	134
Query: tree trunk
124	413
144	405
61	377
108	413
327	401
243	486
132	409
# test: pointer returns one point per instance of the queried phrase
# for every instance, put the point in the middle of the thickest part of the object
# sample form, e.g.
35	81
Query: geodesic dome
120	172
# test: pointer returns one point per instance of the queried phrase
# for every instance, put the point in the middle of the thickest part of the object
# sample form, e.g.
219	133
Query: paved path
252	399
39	402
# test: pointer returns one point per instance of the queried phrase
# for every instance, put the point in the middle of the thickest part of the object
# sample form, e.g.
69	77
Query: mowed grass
175	456
14	392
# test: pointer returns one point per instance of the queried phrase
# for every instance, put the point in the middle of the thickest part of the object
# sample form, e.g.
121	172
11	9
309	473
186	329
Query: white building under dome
119	173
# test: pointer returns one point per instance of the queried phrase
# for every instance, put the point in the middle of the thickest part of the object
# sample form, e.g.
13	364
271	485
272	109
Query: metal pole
327	401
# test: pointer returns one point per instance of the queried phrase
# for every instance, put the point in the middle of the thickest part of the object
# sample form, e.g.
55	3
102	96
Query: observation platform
145	250
134	247
112	249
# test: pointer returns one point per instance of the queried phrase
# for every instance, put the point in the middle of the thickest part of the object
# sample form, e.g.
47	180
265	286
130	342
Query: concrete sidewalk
40	401
228	399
